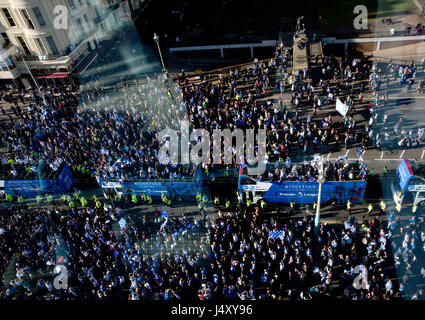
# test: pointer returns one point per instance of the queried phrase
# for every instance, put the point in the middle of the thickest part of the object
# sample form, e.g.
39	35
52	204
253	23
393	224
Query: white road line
331	153
347	152
422	156
401	155
382	154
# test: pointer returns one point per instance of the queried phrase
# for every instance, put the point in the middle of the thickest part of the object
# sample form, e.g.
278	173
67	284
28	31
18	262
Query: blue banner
404	174
307	192
32	188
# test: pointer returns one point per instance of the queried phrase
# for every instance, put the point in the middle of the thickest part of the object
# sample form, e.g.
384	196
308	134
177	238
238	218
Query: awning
54	75
85	63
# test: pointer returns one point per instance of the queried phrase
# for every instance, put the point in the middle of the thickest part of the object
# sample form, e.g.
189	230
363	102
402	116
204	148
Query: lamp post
319	196
156	38
18	50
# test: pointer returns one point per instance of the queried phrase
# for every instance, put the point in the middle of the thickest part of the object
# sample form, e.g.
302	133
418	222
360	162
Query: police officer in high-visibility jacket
227	204
149	199
263	205
98	204
292	206
369	209
382	207
248	203
9	198
314	205
398	206
216	201
39	199
83	201
21	200
349	206
134	198
414	208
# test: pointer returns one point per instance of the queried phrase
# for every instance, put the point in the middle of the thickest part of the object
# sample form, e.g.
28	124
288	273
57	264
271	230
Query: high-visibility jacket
83	201
227	203
216	201
134	198
315	205
370	207
117	197
21	199
398	206
149	199
414	208
9	198
39	198
72	204
385	170
143	196
382	205
263	204
292	204
348	205
98	204
248	203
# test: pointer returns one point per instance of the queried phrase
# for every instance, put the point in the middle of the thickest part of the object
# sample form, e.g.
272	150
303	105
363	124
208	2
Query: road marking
422	156
401	155
347	152
382	154
331	153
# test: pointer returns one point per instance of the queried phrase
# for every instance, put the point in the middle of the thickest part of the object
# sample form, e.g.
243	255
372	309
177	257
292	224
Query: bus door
244	196
251	196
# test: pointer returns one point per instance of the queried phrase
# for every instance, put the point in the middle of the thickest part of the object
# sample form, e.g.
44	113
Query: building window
71	4
39	16
96	11
8	17
23	45
40	46
5	38
52	45
102	28
86	19
116	17
27	19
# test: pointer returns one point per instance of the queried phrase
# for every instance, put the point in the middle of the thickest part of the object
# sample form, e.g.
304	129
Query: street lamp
156	38
18	50
319	196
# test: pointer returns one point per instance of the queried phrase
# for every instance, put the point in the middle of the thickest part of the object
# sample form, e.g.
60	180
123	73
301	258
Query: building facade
51	37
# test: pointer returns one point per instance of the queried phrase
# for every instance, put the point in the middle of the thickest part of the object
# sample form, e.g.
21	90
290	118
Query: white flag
341	107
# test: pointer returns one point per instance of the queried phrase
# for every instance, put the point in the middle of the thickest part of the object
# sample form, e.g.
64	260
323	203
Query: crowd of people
339	170
113	131
238	255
